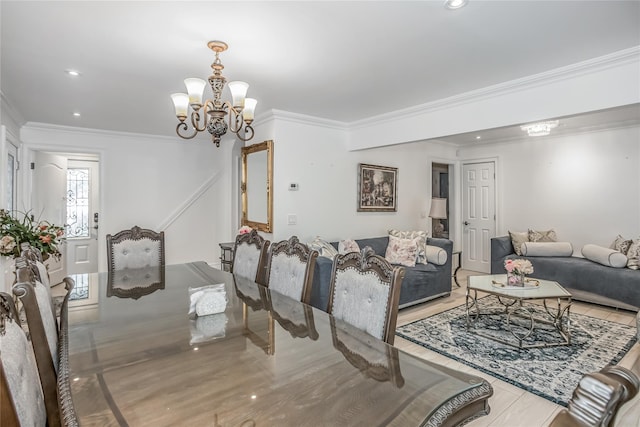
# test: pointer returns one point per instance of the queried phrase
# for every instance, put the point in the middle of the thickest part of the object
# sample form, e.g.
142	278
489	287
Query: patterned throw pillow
402	251
348	245
323	247
542	236
517	239
621	244
633	255
422	243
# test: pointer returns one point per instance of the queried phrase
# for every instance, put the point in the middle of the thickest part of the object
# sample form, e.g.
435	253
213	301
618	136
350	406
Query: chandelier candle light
240	111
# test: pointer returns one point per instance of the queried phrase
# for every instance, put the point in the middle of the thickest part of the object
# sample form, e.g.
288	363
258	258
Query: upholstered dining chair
21	397
250	256
364	291
34	256
290	269
136	259
43	330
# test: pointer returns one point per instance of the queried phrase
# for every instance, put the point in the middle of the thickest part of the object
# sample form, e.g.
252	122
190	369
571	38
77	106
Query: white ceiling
342	60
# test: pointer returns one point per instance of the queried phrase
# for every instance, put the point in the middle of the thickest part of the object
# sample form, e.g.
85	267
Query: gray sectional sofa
585	279
421	283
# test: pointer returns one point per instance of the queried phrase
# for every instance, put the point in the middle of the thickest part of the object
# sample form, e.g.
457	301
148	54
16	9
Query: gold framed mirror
257	175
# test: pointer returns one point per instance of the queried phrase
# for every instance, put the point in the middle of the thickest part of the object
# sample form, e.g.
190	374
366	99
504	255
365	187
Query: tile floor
510	405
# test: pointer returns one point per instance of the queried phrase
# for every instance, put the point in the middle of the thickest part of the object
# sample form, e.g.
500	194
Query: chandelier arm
196	119
185	127
246	138
235	118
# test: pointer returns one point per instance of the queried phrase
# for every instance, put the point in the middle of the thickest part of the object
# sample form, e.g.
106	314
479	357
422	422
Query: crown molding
614	59
7	108
304	119
132	137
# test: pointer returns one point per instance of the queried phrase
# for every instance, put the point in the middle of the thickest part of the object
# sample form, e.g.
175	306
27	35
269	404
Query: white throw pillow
546	249
604	256
517	239
436	255
402	251
348	245
633	255
412	234
323	247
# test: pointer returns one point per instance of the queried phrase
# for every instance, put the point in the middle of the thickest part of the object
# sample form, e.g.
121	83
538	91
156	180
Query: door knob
466	223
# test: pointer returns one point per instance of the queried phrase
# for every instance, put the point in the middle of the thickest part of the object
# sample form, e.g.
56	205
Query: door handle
466	223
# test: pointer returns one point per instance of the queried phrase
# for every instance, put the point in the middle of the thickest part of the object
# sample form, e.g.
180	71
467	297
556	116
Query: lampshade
238	92
249	109
438	208
181	103
195	88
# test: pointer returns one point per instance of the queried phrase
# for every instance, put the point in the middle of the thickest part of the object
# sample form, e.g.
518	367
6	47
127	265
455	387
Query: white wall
153	182
586	186
317	158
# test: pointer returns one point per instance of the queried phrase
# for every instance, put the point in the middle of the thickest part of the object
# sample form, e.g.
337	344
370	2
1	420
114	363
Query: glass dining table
137	358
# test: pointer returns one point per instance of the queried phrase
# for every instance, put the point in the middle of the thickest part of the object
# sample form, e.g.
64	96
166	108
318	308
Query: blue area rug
551	372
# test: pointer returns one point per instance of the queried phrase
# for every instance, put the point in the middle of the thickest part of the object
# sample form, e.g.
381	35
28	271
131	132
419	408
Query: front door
82	216
478	215
48	201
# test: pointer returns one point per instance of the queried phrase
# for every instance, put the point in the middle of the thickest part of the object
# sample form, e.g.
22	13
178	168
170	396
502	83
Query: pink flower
244	229
43	227
45	238
508	265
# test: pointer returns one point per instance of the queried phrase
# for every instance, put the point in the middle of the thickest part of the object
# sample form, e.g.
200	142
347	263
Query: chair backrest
290	269
250	256
364	291
43	330
135	248
65	403
21	397
34	257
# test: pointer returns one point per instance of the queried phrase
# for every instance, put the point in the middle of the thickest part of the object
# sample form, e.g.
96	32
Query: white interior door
82	216
48	200
478	215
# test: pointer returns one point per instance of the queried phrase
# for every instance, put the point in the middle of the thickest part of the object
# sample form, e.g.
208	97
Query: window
77	203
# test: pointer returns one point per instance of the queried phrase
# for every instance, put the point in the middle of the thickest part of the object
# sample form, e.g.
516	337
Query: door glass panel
77	203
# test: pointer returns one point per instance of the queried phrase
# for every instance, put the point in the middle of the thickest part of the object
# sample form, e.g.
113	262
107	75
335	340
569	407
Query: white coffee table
514	300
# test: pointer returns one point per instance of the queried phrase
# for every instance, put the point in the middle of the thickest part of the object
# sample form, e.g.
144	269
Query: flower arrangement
245	229
517	269
42	235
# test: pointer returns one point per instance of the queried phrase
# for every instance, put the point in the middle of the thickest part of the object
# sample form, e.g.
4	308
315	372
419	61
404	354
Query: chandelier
540	128
214	111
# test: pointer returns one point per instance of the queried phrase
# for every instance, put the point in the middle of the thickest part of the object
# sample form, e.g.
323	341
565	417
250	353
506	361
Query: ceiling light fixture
240	111
76	114
73	73
455	4
540	128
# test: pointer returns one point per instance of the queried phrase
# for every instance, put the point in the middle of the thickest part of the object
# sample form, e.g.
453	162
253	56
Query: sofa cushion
517	239
546	249
621	244
422	243
436	255
402	251
604	256
348	245
633	255
542	236
323	247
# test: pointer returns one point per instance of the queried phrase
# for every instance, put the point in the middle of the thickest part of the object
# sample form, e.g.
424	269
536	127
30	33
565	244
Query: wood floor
510	405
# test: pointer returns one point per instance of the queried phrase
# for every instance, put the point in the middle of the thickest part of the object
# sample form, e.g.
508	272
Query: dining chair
43	328
21	397
290	269
34	256
66	408
250	256
364	291
136	261
372	357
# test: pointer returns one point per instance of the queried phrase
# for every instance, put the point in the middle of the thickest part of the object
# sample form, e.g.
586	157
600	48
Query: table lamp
438	211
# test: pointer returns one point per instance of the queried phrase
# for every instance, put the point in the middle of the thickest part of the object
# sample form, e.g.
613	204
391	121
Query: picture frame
377	188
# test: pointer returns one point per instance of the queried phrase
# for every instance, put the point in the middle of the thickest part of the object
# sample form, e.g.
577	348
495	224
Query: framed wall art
377	188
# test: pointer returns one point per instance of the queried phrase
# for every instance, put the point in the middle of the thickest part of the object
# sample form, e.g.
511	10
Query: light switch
292	219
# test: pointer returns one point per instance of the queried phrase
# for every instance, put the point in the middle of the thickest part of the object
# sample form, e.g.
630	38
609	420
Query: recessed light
76	114
478	137
455	4
73	73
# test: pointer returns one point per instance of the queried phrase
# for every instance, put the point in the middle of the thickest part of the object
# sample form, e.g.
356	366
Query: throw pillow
621	244
323	247
422	243
604	256
436	255
402	251
546	249
517	239
542	236
633	255
348	245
